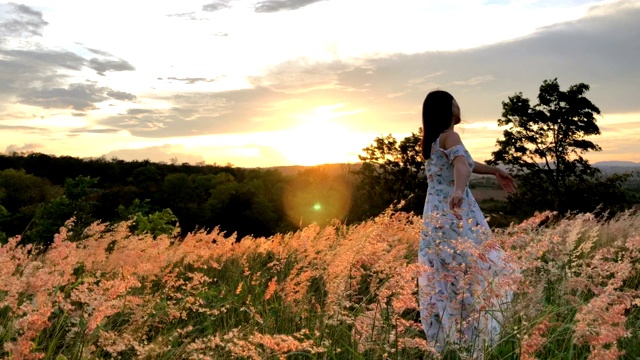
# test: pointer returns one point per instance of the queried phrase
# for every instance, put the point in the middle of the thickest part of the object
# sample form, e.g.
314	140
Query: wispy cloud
36	75
99	52
200	113
140	111
80	97
270	6
388	91
19	21
101	66
192	80
216	5
474	80
94	131
120	95
31	147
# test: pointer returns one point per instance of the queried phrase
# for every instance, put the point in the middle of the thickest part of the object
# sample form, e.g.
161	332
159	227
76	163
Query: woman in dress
457	306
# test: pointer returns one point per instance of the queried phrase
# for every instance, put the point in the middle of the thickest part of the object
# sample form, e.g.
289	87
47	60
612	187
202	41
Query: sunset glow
297	83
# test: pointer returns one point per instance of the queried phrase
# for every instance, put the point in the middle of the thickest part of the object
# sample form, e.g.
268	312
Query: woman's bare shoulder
450	139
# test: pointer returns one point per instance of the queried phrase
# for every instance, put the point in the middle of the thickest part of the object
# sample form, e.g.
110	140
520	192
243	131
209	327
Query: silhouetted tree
544	144
391	172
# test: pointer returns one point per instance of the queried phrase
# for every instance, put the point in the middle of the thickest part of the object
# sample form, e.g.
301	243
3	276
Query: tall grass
338	292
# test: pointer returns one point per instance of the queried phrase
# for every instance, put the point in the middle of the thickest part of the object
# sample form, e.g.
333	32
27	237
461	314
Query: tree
391	172
156	224
544	146
77	202
21	195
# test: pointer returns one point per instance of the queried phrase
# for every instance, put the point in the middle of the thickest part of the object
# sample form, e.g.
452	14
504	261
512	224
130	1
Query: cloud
216	5
270	6
20	21
140	111
598	50
120	95
244	110
188	16
26	148
386	92
192	80
22	128
31	73
22	70
99	52
79	97
93	131
103	66
300	75
612	7
474	80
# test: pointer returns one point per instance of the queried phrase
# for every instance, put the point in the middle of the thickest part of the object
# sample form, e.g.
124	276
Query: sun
317	143
318	139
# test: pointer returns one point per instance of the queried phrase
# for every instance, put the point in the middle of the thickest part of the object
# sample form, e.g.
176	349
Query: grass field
340	292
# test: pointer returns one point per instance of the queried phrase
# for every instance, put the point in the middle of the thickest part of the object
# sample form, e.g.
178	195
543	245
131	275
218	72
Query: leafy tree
21	195
391	172
156	223
250	204
544	145
77	202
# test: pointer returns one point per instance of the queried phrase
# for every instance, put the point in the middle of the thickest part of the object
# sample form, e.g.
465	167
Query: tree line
542	144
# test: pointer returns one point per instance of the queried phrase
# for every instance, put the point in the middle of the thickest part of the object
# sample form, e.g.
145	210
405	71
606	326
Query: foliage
156	224
4	214
246	201
392	172
544	144
142	221
21	195
77	201
340	292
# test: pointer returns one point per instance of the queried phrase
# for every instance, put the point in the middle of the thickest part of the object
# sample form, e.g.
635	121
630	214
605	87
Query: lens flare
316	198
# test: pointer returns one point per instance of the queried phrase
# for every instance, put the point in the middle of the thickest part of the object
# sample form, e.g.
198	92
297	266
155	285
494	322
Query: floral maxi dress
459	297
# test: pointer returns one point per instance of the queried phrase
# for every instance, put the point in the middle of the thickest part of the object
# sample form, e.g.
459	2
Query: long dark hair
437	115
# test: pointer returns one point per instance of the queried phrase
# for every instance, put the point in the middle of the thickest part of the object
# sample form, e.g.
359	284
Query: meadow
333	292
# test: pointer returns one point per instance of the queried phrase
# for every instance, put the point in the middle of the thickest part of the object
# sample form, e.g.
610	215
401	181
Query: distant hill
617	167
602	164
331	169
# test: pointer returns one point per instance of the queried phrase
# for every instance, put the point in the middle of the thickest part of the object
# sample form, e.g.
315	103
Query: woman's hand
455	203
506	181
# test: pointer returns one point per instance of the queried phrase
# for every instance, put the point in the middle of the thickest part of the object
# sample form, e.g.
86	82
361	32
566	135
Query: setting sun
319	139
268	96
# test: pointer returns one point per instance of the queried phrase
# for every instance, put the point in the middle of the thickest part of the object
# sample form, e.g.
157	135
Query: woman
457	305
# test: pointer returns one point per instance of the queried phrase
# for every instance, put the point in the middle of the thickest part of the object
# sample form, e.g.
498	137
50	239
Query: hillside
330	169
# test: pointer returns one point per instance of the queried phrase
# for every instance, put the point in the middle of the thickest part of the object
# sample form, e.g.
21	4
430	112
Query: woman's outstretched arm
504	179
484	169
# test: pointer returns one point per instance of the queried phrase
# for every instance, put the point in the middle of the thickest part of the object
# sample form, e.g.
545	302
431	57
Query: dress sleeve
455	151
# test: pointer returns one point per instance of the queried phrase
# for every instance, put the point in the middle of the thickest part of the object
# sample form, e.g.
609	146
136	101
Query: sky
299	82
